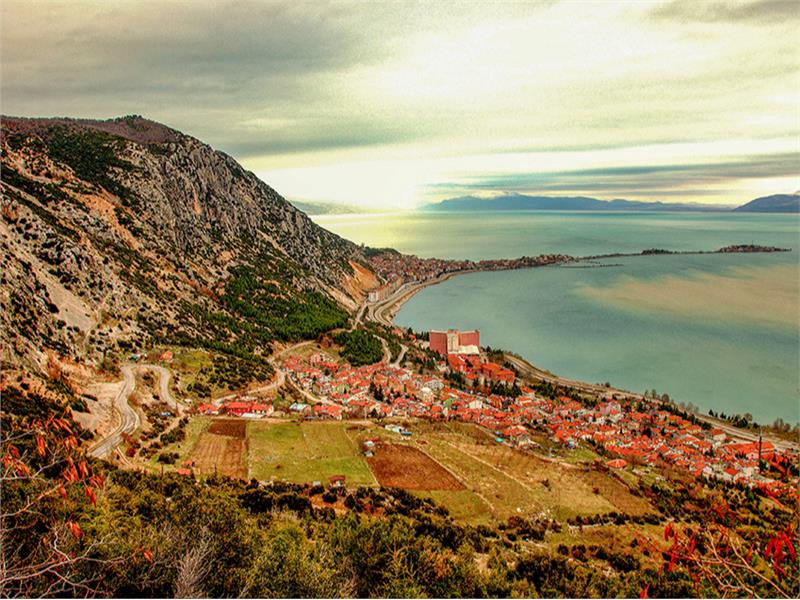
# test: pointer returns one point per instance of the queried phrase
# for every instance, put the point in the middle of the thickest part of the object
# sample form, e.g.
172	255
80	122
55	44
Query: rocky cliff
123	233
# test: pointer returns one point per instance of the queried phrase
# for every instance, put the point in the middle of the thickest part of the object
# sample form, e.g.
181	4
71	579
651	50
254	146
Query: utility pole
759	451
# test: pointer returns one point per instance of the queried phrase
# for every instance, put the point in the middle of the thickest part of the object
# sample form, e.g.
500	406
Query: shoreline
384	311
378	311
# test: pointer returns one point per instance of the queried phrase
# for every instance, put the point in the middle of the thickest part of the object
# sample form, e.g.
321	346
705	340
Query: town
642	433
396	269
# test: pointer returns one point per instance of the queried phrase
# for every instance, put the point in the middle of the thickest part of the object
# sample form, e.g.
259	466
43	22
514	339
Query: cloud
640	181
707	11
307	90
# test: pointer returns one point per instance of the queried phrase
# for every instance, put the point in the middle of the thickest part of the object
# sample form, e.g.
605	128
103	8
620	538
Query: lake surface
720	331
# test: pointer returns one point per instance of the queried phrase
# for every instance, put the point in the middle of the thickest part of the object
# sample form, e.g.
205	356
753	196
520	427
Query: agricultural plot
222	449
305	452
465	506
553	486
503	495
509	482
478	480
402	466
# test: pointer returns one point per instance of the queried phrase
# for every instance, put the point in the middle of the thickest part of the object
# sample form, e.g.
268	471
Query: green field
305	452
465	505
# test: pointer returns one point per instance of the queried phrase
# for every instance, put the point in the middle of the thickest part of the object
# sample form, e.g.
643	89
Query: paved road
359	316
399	360
274	384
129	418
164	392
280	376
387	354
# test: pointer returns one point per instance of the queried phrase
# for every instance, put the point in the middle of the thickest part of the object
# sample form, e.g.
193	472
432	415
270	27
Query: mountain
123	233
325	208
777	203
525	202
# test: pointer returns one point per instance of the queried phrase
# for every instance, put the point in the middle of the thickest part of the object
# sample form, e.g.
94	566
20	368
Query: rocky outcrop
116	233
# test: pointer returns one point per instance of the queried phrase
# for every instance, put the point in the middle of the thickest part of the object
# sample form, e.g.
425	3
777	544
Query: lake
721	331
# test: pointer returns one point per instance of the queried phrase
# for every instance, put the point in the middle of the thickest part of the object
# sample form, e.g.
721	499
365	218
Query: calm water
721	331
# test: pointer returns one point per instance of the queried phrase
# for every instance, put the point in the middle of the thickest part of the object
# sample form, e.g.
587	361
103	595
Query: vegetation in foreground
72	527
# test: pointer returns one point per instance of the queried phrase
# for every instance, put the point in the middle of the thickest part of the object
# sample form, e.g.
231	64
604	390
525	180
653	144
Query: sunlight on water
765	296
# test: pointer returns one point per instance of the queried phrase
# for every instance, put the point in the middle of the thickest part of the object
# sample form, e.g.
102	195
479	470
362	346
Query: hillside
777	203
525	202
123	233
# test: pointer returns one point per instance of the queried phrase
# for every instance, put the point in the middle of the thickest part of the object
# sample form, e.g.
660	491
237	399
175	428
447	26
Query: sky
390	105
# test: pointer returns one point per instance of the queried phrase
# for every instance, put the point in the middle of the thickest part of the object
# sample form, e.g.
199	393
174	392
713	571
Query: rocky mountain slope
118	234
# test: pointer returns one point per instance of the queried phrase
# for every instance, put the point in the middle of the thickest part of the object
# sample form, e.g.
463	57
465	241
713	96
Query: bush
168	458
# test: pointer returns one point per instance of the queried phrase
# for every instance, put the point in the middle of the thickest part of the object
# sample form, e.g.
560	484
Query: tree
44	481
721	563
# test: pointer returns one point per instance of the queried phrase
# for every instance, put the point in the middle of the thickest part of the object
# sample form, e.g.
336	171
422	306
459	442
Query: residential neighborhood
640	433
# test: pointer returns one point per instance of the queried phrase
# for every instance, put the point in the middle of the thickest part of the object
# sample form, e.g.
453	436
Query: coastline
384	311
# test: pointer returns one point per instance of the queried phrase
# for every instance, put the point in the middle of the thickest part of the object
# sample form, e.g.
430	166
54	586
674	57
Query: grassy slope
194	430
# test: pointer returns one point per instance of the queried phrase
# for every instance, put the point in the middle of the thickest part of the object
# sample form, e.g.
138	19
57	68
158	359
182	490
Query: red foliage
75	529
90	495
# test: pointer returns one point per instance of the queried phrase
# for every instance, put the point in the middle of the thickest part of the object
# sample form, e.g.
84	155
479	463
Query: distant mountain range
776	203
325	208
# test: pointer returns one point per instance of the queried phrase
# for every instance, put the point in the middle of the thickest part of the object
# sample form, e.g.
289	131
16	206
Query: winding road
129	418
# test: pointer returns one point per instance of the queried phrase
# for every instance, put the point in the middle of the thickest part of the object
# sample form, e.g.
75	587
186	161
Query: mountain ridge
776	203
569	203
120	233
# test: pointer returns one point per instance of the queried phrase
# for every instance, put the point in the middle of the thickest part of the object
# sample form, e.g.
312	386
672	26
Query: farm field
465	506
404	466
222	449
458	465
506	482
306	452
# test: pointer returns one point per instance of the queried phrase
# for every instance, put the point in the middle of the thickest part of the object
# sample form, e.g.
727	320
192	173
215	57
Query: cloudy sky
392	105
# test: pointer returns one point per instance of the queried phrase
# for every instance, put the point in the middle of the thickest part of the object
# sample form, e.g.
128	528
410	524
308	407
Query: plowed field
407	467
236	428
222	449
